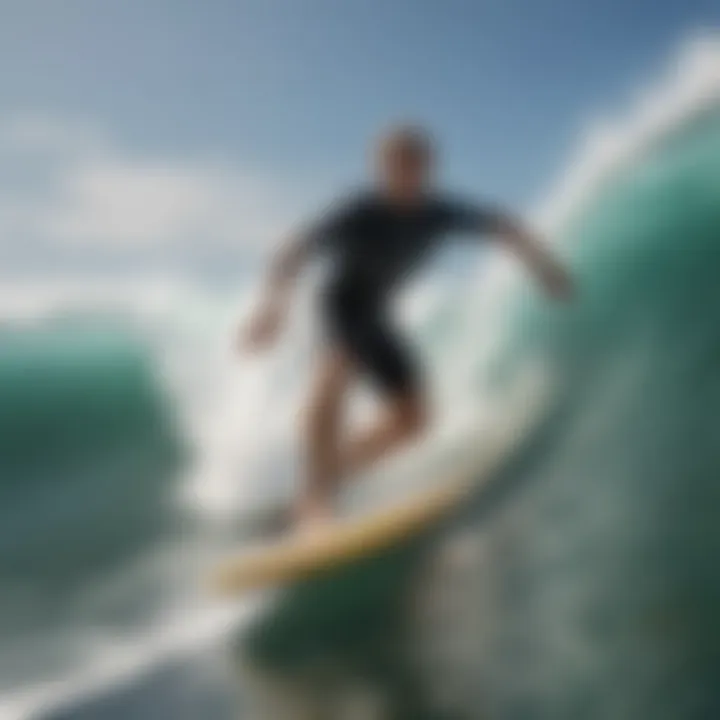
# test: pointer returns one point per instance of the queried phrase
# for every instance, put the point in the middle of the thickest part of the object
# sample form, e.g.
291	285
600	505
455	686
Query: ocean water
581	580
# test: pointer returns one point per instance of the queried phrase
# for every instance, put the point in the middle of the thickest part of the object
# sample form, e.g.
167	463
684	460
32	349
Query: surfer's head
404	160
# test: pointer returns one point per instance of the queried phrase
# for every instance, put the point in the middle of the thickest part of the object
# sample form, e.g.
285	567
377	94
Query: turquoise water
81	418
583	583
617	539
89	454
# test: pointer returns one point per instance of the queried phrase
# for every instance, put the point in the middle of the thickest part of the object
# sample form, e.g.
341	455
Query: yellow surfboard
476	454
340	542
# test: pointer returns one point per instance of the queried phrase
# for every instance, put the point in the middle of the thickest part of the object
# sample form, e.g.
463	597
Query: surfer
373	241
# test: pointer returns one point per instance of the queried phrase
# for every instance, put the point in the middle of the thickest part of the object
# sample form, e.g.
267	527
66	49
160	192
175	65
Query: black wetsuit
373	245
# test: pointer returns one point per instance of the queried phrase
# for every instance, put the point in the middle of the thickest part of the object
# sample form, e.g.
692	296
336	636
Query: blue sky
290	90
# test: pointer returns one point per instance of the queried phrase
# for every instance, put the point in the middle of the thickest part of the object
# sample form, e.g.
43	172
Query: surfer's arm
314	239
535	255
285	267
268	319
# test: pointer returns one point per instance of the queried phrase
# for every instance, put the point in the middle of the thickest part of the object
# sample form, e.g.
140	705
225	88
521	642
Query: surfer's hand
555	280
263	328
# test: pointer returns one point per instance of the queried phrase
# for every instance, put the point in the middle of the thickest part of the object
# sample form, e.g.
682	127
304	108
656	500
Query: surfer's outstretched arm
537	257
268	319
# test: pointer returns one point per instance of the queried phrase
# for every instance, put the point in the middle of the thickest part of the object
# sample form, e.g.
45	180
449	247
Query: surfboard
340	542
349	539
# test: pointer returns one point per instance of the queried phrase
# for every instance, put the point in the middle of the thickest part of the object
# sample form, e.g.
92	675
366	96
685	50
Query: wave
163	481
583	582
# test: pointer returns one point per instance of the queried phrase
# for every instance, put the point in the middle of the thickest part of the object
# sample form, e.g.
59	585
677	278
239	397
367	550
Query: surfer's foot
313	515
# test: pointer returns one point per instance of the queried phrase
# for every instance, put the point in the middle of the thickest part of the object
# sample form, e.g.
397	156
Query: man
374	240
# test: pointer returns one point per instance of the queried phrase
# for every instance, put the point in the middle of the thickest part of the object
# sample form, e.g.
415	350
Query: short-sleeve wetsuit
372	246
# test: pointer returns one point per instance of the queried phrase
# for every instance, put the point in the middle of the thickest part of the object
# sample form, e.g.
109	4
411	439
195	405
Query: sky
185	133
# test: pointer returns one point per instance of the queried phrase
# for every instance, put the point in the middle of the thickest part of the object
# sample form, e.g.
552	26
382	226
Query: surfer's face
404	166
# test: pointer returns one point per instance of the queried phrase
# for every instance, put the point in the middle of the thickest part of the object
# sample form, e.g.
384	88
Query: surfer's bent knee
412	415
329	387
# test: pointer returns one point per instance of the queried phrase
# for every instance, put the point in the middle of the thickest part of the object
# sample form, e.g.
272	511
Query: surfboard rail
340	542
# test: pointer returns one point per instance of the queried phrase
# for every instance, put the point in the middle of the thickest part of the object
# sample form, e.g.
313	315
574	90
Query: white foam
120	660
689	86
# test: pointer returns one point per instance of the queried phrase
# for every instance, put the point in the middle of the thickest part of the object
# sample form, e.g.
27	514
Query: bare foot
311	516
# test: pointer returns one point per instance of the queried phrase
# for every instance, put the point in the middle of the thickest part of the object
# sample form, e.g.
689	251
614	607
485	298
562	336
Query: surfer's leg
392	366
404	419
323	421
362	342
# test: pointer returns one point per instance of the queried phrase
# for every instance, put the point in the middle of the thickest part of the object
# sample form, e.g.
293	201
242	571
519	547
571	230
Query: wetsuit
372	246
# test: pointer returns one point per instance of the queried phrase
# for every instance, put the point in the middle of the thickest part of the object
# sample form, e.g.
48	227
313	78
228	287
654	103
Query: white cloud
68	187
148	203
